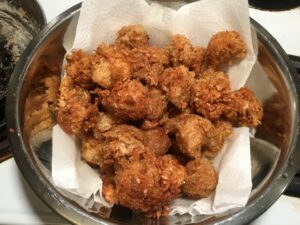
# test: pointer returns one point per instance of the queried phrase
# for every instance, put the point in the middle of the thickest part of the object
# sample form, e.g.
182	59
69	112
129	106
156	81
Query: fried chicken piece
105	72
126	100
150	184
79	68
133	36
157	104
244	109
157	140
176	83
74	106
207	91
191	133
182	52
101	74
153	123
112	52
109	189
118	144
224	48
147	64
201	179
212	98
90	150
99	122
218	138
133	57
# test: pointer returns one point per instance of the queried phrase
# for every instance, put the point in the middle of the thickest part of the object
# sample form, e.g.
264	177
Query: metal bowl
279	131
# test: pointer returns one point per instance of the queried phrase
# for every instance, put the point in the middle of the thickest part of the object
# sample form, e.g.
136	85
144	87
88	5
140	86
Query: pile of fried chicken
153	118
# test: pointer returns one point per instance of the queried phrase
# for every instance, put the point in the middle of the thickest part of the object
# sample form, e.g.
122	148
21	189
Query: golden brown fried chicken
191	133
244	109
218	138
207	91
109	189
147	64
153	123
99	122
111	65
118	143
157	140
133	36
74	106
156	104
126	100
128	84
224	48
91	150
112	52
201	179
79	68
182	52
132	56
212	98
105	72
150	184
176	83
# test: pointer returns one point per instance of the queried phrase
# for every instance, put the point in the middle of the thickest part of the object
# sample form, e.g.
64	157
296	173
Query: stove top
276	5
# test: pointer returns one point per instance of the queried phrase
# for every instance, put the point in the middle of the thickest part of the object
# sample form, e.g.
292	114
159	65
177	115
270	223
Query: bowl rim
76	214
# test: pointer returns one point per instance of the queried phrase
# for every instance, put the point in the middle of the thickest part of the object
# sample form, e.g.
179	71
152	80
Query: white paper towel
99	21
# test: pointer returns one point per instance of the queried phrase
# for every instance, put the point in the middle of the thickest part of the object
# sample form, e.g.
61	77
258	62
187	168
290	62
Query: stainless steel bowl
279	130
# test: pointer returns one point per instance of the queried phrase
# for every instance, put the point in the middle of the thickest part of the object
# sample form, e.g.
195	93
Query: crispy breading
91	150
217	139
132	36
147	64
126	100
157	140
105	72
109	189
74	107
191	133
176	83
118	143
182	52
156	104
151	124
112	52
244	109
212	98
201	179
79	68
224	48
207	91
99	122
150	184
